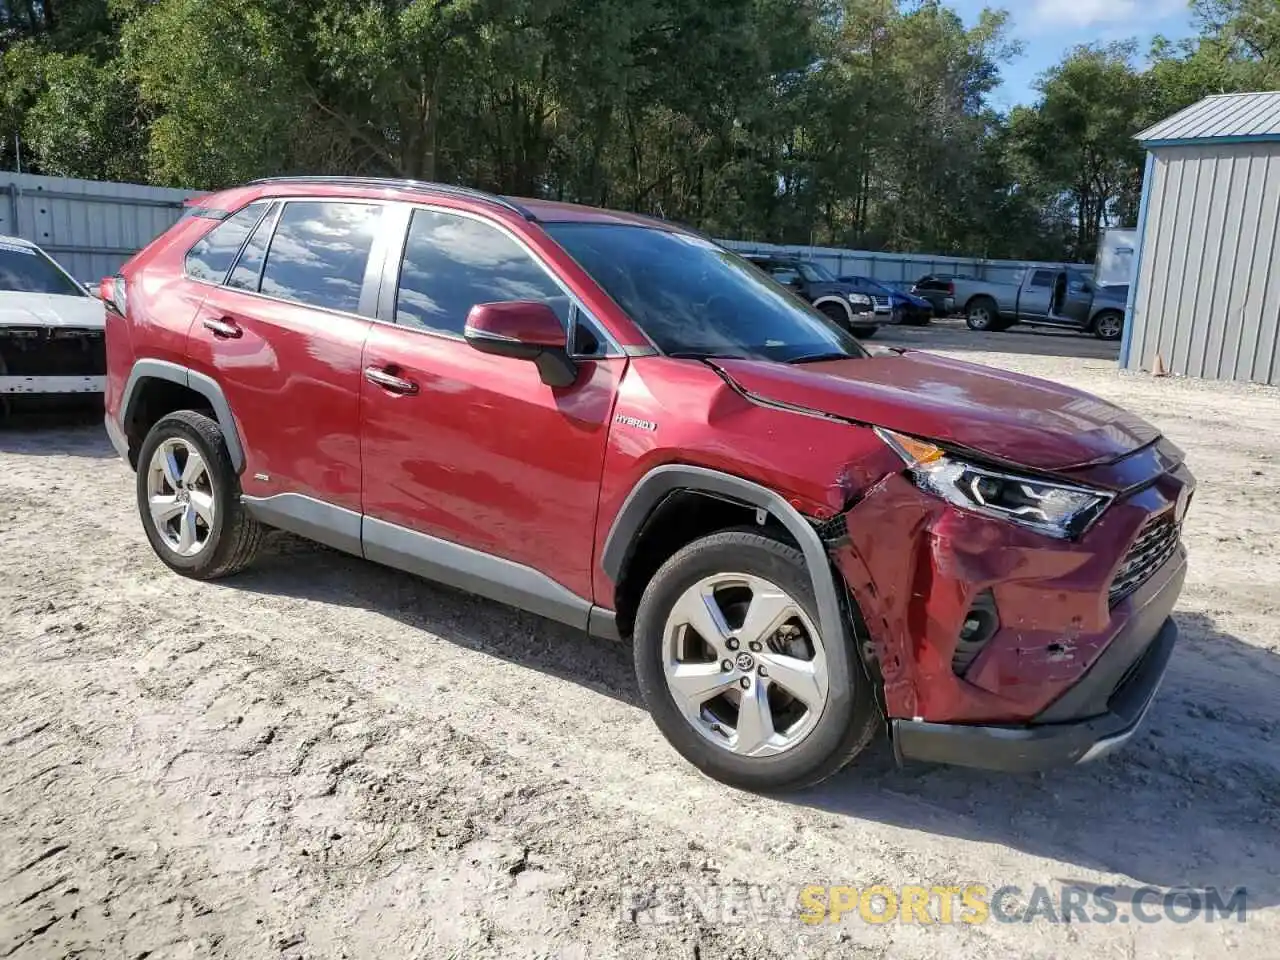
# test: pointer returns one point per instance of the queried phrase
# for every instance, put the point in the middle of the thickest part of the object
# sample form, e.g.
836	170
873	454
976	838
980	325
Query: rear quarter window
213	254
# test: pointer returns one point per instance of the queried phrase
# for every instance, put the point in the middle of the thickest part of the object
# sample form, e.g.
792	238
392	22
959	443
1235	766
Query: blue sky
1047	28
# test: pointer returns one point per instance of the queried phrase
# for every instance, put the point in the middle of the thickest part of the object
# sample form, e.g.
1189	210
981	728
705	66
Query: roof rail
405	183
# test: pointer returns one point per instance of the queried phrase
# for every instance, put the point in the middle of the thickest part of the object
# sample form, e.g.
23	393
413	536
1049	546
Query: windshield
694	298
26	270
817	273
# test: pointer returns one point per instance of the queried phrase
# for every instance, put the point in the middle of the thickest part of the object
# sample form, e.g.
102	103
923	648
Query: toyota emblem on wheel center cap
744	661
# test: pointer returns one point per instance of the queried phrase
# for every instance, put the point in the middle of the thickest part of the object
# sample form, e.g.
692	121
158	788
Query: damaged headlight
1054	509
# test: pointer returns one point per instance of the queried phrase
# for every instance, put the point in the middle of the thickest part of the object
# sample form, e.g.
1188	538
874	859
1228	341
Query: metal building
1206	294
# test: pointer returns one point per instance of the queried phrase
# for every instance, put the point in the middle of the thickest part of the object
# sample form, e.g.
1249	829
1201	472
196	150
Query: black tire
848	721
234	537
836	315
982	314
1112	331
864	333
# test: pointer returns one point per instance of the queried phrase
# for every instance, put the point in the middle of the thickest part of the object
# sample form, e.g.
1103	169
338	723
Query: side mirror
523	330
91	288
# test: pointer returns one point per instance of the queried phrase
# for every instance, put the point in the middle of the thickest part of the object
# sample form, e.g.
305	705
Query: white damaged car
51	328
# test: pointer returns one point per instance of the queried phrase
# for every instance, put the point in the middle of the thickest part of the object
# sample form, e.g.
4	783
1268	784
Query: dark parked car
900	306
940	290
618	424
842	302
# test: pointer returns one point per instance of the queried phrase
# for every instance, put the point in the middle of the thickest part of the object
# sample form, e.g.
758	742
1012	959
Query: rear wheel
737	674
189	499
1108	326
983	314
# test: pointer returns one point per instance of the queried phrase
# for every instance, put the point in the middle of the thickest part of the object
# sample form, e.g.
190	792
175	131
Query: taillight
112	291
951	289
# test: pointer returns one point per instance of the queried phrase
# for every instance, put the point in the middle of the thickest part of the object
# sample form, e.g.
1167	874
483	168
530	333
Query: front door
282	334
461	449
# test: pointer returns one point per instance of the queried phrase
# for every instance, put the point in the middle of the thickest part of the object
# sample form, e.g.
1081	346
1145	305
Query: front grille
1156	543
832	531
881	302
52	352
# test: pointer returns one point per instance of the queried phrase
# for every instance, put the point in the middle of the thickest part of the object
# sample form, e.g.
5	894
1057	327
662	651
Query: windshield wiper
821	357
700	355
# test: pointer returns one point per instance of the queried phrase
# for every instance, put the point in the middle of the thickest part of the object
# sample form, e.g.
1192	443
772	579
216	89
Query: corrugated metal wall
899	266
1208	295
89	227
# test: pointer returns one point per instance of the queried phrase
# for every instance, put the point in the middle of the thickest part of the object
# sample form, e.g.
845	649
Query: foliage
852	122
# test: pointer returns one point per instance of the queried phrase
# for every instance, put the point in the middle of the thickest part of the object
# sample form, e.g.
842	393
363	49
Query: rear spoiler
195	207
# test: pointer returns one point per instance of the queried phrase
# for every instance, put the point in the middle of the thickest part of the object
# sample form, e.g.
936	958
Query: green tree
1075	149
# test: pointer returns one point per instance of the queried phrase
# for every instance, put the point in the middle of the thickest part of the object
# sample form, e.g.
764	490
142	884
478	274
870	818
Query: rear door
1077	300
1036	295
282	334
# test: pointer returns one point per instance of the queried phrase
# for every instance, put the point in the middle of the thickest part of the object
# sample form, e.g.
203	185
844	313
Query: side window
1042	278
319	252
212	256
248	269
785	274
451	263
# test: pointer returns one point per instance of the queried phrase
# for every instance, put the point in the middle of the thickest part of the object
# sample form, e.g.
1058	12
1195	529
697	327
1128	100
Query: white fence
91	227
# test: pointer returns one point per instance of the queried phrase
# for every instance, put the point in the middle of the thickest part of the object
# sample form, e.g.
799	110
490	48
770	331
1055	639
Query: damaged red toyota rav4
618	424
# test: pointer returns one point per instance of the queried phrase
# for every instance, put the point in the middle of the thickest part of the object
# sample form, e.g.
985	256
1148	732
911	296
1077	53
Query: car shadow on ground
953	335
66	427
1191	802
293	567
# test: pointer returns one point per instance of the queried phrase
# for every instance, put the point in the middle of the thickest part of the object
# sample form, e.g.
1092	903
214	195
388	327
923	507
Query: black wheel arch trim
206	386
654	487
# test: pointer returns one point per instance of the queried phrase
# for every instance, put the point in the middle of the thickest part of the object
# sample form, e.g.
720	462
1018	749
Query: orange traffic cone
1158	369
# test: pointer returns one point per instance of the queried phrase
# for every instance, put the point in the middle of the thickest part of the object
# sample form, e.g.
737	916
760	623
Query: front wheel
836	315
1108	326
736	673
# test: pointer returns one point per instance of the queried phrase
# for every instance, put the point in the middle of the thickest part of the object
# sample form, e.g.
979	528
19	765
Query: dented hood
1009	417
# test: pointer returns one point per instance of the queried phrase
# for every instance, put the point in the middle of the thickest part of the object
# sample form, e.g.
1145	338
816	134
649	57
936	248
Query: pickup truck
1044	296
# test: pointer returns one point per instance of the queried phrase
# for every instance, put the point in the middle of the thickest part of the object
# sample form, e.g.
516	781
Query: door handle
225	329
389	381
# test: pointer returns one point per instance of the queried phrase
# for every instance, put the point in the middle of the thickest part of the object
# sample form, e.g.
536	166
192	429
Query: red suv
618	424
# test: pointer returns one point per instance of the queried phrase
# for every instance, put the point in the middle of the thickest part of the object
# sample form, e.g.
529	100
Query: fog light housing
976	630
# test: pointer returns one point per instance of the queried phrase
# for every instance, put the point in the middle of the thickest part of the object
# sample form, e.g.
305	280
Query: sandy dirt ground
324	758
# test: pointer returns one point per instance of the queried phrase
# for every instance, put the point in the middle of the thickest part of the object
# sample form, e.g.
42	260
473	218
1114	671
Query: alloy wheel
180	497
745	664
1109	327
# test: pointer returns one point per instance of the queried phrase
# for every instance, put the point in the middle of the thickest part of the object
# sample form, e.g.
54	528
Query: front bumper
1095	717
49	385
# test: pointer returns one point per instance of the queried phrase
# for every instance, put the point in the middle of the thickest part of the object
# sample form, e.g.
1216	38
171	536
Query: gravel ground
323	758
